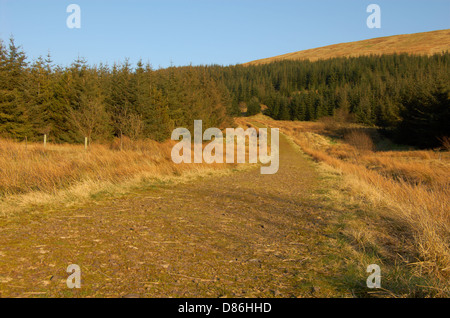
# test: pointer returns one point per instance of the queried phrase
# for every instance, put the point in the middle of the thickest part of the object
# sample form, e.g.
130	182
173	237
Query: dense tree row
406	94
100	102
409	94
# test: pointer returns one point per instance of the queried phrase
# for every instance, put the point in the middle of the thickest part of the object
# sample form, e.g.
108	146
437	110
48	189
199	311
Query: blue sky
204	31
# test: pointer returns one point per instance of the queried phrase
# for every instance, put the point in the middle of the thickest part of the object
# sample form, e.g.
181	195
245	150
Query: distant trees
101	102
405	94
390	91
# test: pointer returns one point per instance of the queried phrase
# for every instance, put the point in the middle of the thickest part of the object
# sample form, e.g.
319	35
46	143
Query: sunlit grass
415	185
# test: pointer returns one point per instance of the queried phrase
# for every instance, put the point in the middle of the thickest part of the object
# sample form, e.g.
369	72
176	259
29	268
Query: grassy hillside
426	43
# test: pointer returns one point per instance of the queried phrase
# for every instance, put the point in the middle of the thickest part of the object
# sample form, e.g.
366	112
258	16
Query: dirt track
239	235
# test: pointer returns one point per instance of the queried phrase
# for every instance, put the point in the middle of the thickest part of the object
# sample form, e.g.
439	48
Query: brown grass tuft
360	140
445	143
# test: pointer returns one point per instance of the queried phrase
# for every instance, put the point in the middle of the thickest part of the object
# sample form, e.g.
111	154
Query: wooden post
85	143
45	141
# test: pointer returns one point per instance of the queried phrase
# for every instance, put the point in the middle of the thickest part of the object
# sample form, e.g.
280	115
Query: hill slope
418	43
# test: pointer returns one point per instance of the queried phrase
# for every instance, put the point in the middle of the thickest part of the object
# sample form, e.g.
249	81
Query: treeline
407	95
100	102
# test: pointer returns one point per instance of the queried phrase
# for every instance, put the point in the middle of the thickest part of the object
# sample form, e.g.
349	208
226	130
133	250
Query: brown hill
418	43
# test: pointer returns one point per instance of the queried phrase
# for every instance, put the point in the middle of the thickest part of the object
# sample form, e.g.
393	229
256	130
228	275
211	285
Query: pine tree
253	107
426	117
13	114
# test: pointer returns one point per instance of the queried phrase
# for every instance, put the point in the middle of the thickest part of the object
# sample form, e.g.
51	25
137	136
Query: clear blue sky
204	31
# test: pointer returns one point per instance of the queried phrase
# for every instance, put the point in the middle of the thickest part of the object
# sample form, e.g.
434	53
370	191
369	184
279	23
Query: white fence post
45	141
85	143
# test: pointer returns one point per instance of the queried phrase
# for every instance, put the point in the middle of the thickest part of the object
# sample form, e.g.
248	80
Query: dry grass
359	140
426	43
414	185
32	175
49	169
445	143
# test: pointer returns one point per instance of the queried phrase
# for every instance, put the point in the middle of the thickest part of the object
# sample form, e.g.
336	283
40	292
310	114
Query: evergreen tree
253	107
426	118
13	113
